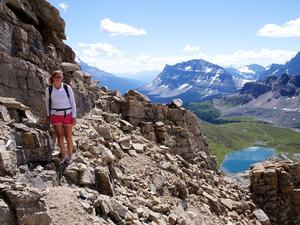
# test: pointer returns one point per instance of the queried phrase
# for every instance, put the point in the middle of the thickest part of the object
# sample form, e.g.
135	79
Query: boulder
177	103
133	94
262	217
70	67
7	217
125	142
87	177
28	205
4	115
104	183
8	161
104	132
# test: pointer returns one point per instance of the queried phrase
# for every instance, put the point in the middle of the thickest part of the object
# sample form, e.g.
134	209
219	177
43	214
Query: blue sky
129	36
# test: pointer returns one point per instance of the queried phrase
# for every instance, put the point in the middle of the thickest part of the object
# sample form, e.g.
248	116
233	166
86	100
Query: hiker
61	112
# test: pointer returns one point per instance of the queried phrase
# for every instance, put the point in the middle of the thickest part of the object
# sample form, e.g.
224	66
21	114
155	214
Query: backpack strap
66	90
50	87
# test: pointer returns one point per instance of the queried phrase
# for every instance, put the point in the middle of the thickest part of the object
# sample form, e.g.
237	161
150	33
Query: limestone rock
8	161
133	94
103	181
70	67
177	103
262	217
7	217
273	186
29	207
4	115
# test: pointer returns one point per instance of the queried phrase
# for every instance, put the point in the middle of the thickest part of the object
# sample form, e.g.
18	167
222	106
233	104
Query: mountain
245	73
273	70
111	81
291	67
274	99
193	80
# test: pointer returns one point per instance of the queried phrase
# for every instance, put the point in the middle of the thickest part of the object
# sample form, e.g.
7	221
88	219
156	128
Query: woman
61	112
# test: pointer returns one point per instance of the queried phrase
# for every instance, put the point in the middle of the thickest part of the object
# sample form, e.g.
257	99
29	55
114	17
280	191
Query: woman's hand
74	121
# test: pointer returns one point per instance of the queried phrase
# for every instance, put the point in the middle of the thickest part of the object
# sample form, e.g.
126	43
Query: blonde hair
50	80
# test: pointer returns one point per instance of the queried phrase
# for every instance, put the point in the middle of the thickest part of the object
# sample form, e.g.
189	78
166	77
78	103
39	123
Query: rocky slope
194	80
134	162
274	99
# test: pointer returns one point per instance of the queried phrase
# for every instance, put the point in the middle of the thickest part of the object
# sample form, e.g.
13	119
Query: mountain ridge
193	79
110	80
291	67
273	99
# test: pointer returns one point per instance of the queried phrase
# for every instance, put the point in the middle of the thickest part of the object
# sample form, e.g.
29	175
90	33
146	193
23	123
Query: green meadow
246	132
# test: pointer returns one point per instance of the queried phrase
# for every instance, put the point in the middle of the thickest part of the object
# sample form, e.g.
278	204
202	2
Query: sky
135	36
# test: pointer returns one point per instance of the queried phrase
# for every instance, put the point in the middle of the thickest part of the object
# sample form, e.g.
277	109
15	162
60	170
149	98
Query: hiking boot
64	160
69	161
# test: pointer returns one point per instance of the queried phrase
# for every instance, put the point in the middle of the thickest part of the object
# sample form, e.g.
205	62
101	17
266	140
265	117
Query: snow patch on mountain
190	80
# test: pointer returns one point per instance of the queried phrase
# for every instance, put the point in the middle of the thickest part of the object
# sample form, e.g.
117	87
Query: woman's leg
68	136
59	131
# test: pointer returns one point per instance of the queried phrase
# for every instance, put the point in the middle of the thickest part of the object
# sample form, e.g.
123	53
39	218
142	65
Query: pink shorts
61	120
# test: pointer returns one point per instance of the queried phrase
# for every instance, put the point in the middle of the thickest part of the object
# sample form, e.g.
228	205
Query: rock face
275	188
31	46
177	129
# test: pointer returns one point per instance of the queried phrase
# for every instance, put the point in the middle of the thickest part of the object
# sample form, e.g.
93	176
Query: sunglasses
57	77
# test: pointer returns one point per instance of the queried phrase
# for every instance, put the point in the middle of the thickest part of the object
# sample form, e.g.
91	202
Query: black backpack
50	88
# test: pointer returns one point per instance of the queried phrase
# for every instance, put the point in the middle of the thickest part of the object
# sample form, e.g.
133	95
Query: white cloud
99	49
263	57
190	48
64	6
111	59
121	29
288	29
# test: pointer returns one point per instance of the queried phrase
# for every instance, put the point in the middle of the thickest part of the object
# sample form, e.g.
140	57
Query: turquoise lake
241	160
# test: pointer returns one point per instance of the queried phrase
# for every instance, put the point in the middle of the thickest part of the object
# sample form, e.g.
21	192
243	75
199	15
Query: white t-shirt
60	100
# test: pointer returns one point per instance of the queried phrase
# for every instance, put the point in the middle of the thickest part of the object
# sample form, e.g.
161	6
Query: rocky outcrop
255	89
31	46
24	204
171	126
275	188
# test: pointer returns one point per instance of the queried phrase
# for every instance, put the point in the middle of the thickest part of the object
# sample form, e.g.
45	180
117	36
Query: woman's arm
72	101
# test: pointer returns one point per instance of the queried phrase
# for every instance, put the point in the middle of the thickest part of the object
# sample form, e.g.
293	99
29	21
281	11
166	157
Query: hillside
246	132
135	162
274	99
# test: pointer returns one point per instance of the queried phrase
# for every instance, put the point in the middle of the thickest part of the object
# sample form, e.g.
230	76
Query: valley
243	132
